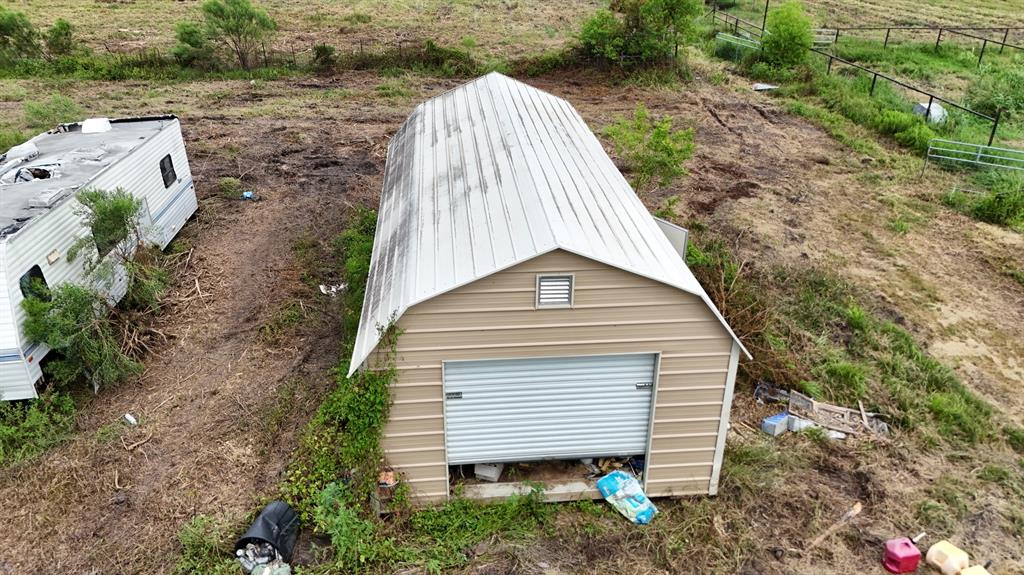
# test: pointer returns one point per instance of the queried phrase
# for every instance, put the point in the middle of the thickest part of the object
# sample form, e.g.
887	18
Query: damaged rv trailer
544	314
40	217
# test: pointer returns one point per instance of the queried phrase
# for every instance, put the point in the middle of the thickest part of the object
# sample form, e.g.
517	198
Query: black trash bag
278	525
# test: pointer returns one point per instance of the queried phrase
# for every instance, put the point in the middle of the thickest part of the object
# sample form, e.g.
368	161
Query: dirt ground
220	408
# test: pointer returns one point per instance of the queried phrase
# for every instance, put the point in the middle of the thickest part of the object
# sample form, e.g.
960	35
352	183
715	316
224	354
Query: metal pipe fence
974	154
941	33
735	23
932	98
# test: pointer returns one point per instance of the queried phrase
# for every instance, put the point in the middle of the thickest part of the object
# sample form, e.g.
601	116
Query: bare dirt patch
219	407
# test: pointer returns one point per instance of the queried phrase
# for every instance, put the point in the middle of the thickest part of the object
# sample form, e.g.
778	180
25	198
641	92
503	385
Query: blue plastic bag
624	493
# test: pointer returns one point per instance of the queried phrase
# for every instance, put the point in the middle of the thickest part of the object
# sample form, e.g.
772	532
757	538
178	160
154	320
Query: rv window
167	171
33	284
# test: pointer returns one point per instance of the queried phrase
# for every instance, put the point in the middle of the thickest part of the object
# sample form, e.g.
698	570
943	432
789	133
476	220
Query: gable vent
554	291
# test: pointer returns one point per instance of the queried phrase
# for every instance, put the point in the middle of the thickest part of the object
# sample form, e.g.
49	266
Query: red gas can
901	555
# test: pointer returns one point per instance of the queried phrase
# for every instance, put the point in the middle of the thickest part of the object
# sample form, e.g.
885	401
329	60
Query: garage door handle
645	384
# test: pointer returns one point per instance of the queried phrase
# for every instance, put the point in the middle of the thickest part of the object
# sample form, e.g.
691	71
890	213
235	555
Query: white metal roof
492	174
68	157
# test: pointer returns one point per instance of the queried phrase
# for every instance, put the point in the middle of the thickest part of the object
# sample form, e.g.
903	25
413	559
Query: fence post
874	79
1006	35
937	40
995	125
837	36
829	71
982	55
764	21
886	43
928	112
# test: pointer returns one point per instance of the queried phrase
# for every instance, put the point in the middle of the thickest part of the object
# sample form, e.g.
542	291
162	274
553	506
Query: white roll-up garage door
547	408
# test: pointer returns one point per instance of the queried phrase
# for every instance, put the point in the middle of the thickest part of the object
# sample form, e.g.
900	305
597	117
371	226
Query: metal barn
545	314
40	217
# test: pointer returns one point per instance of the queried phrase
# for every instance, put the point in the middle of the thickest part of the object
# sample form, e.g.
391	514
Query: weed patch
438	538
283	321
30	427
654	150
49	113
1002	203
229	188
342	441
818	336
205	548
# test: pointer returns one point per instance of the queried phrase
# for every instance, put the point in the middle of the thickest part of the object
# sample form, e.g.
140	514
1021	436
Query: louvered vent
554	291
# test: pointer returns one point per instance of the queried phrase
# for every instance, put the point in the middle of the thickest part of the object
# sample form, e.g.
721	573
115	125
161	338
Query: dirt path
219	408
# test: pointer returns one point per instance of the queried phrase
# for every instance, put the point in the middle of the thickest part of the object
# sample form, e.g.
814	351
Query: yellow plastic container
948	558
976	570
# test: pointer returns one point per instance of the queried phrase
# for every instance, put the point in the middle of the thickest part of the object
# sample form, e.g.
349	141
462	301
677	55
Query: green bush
639	32
18	37
193	49
45	115
654	151
324	58
1002	203
230	188
917	137
73	321
240	26
789	36
60	38
998	88
27	428
603	36
356	541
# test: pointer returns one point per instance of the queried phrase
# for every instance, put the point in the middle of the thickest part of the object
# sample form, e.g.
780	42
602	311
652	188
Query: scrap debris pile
267	546
804	412
262	559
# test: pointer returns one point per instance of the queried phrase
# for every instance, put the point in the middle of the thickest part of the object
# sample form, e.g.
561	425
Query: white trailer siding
45	240
15	381
139	174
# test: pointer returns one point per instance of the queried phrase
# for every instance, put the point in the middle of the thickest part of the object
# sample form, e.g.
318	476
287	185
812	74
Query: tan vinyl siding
614	311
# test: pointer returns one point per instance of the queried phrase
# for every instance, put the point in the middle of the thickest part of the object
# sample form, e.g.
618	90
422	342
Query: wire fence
1002	35
932	98
736	24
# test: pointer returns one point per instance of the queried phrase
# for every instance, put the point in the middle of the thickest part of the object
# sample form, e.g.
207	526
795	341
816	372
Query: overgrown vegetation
79	322
237	25
20	39
206	548
342	441
1002	203
998	88
789	35
652	148
639	32
47	114
809	330
28	428
437	539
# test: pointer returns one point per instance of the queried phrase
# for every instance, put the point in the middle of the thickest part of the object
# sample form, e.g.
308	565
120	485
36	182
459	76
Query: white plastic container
947	558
